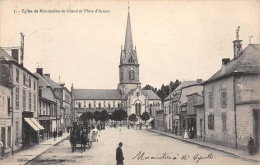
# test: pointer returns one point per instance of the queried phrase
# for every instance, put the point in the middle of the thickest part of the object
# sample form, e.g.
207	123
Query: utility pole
22	48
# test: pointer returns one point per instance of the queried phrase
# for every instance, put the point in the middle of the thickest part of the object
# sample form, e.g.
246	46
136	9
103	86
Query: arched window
79	104
99	105
104	103
118	104
138	108
131	75
121	75
131	60
89	105
108	104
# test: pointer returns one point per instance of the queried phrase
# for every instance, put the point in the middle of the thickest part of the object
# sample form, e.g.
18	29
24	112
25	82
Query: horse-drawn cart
80	136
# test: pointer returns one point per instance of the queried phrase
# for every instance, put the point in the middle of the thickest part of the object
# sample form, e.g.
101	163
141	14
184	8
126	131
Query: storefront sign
5	122
52	118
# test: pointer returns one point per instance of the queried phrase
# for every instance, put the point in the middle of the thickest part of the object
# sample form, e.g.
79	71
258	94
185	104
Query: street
140	147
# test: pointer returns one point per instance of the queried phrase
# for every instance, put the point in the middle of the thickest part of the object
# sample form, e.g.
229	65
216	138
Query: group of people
189	133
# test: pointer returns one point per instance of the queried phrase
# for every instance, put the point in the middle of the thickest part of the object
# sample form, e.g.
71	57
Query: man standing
119	155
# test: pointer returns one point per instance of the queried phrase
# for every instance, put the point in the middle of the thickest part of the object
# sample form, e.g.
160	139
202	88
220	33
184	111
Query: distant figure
54	134
119	154
251	146
186	136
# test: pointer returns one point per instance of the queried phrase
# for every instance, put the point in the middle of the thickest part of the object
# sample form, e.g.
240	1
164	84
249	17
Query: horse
73	140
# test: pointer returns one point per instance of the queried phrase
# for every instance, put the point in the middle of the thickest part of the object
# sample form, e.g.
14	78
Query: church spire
128	35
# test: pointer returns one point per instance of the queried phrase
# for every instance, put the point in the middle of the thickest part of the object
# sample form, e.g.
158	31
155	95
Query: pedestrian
54	134
251	146
119	154
186	136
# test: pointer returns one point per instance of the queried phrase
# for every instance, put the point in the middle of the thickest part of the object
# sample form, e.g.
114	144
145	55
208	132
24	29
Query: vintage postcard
118	82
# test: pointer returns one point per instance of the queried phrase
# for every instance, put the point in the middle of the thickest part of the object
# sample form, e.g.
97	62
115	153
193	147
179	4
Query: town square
129	83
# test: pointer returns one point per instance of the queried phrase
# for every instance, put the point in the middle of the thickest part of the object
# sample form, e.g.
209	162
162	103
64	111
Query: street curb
45	150
184	140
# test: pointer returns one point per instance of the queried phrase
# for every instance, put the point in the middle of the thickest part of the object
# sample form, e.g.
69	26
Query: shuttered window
211	122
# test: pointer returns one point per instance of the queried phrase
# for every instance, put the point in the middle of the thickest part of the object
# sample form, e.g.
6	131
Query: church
128	95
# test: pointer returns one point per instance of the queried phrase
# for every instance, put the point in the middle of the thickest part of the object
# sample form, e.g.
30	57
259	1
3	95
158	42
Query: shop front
30	130
45	122
5	136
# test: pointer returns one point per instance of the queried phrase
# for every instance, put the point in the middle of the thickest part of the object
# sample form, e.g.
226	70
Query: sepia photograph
130	82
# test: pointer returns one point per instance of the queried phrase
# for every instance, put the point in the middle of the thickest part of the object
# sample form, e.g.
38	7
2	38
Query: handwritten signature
168	156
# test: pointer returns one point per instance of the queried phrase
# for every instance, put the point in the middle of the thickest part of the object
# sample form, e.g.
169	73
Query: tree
104	115
119	115
133	118
97	116
163	92
145	116
86	116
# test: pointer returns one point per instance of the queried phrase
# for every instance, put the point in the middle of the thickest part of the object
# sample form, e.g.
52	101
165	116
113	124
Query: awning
32	124
151	119
37	123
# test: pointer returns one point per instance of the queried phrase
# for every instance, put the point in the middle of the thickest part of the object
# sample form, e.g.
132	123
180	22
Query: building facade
6	88
24	103
232	99
175	105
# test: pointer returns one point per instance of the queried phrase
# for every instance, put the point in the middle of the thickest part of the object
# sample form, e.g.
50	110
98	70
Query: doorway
256	114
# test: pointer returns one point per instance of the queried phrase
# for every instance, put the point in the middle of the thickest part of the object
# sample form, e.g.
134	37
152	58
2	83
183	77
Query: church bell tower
128	67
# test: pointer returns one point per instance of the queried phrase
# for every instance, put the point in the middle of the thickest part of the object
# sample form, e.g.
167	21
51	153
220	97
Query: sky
183	40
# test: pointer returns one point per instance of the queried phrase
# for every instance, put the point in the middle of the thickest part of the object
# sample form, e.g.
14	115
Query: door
3	139
257	129
201	122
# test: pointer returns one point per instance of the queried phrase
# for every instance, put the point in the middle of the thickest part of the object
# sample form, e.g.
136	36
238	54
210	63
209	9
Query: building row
32	105
225	109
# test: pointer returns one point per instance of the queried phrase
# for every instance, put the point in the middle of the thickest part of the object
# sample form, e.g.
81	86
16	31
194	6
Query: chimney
199	80
225	61
237	44
47	75
15	54
39	71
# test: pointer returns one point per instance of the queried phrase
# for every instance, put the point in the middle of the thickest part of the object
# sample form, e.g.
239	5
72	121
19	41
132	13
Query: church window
118	104
131	75
104	103
94	103
138	108
99	105
137	93
121	75
89	105
109	105
114	104
131	60
79	104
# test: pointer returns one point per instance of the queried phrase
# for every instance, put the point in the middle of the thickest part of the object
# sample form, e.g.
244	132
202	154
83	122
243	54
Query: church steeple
128	67
128	35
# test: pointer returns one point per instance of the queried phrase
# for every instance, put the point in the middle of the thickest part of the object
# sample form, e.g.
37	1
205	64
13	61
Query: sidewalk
23	157
238	153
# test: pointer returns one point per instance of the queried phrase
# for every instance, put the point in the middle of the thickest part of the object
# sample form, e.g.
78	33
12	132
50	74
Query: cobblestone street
139	147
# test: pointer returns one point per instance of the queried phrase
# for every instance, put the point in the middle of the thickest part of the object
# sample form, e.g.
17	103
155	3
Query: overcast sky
174	40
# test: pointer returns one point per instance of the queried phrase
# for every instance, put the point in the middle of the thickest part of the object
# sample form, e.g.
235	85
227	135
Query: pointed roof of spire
128	35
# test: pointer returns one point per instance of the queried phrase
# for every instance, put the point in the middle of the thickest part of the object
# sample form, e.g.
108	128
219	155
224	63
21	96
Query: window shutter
213	122
208	121
8	105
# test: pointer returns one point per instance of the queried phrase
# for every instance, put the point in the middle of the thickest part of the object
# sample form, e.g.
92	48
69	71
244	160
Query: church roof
151	95
248	61
97	94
